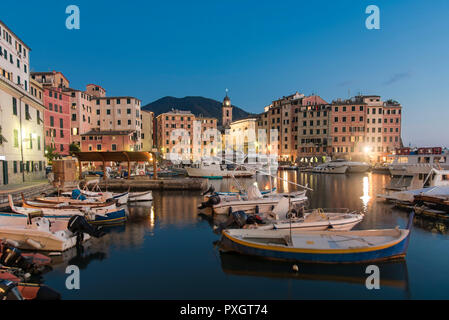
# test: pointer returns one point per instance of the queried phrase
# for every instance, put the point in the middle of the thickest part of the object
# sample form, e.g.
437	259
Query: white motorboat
37	235
211	170
330	168
408	196
420	161
413	179
312	220
353	166
140	196
251	202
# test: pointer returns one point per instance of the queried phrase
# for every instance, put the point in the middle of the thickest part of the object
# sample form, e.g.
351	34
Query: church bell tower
226	111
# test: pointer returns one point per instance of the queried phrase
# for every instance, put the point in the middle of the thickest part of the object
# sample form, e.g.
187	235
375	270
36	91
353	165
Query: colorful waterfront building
81	114
57	124
147	132
167	139
365	128
110	140
21	113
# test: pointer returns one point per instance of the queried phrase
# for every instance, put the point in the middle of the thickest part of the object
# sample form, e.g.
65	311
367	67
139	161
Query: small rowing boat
320	246
104	216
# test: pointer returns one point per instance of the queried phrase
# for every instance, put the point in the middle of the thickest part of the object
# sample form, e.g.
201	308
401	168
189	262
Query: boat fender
35	244
12	242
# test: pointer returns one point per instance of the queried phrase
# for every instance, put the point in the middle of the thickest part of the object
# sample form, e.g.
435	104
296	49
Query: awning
118	156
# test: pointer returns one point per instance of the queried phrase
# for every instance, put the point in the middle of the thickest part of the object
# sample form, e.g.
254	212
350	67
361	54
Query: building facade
104	141
365	128
57	124
168	140
21	114
118	114
147	132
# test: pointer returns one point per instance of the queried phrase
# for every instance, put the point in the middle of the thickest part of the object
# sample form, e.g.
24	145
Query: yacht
329	167
423	167
353	166
215	170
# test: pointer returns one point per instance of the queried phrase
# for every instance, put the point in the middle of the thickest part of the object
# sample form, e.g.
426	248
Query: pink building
96	140
57	113
57	119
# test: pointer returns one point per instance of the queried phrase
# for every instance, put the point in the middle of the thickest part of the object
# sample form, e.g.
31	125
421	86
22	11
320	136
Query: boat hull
203	173
331	170
250	206
344	225
47	241
140	196
394	251
358	168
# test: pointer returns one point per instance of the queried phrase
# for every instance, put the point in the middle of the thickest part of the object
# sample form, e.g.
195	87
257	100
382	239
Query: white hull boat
140	196
206	170
37	235
318	220
255	202
324	168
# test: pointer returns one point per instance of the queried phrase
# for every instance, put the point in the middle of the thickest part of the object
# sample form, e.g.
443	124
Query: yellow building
21	114
22	133
147	118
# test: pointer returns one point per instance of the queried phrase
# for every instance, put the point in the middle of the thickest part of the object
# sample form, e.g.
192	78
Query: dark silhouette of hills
197	105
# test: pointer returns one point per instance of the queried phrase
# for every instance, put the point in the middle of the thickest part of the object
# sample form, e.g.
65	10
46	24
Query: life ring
141	173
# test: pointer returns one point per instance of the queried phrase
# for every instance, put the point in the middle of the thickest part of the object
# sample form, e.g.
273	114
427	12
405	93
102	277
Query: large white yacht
419	168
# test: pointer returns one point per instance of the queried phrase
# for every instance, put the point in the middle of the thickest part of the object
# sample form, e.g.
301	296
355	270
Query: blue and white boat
359	246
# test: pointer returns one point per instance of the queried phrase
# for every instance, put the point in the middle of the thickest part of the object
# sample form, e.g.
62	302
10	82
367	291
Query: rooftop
108	133
12	32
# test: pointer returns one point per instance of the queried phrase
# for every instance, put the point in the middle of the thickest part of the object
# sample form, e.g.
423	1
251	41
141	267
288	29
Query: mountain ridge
198	105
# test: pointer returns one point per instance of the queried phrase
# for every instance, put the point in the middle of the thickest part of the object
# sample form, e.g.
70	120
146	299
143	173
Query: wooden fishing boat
140	196
317	220
64	206
105	216
320	246
64	201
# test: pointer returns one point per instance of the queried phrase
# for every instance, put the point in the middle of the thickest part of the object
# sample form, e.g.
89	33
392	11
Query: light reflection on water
166	251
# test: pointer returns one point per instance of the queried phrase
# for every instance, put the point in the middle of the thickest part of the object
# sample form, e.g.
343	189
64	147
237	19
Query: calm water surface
167	251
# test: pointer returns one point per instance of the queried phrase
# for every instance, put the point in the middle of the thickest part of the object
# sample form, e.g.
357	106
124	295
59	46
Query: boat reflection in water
392	274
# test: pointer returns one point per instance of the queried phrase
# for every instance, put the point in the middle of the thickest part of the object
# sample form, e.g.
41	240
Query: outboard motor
240	218
213	200
12	257
211	190
9	291
79	226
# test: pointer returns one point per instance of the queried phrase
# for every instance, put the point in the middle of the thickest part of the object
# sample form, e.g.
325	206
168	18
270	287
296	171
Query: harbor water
167	251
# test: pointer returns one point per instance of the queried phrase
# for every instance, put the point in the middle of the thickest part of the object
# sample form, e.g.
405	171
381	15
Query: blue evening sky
260	50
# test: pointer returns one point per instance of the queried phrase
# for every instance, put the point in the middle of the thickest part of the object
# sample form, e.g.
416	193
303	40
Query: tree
51	154
73	147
